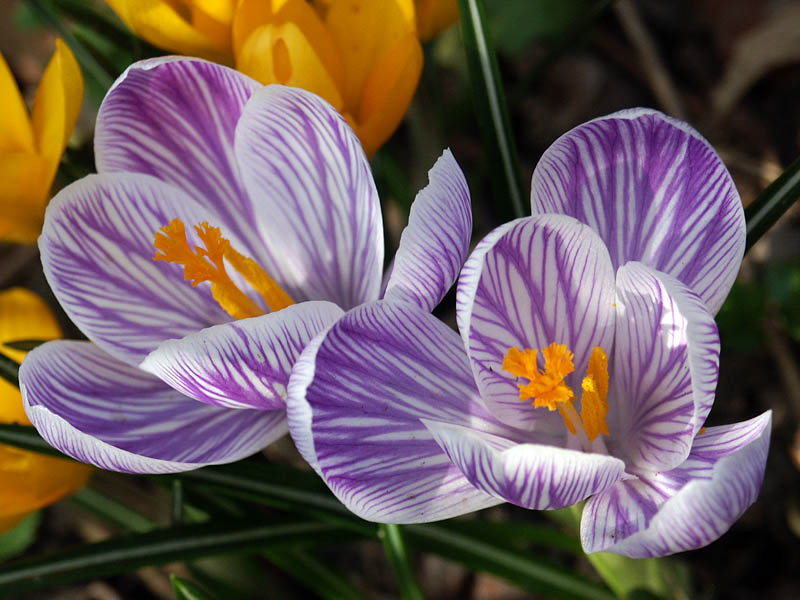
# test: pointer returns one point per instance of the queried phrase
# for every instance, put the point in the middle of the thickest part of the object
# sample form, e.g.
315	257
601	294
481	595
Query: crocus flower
362	56
28	480
434	16
262	199
585	369
31	146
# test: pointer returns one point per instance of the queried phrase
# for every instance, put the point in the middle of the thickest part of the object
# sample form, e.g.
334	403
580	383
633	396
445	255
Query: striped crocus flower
228	224
585	369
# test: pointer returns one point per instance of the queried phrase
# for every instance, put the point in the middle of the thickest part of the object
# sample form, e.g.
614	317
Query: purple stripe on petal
544	280
97	252
655	191
356	397
243	364
104	412
316	206
435	243
652	405
530	475
175	119
687	507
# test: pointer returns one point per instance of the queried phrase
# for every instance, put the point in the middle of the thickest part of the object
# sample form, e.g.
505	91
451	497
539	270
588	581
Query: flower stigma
208	264
547	388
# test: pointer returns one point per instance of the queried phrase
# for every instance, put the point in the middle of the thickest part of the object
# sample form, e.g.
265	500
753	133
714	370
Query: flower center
208	264
547	388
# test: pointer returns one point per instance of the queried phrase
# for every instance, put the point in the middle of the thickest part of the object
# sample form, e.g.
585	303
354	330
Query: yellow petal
23	196
364	31
192	28
283	54
434	16
24	316
30	481
16	134
56	106
388	93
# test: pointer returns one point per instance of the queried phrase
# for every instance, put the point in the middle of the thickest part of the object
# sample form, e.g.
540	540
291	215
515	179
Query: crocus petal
106	413
533	476
97	252
687	507
655	191
175	119
356	397
243	364
317	206
16	134
435	242
537	281
665	369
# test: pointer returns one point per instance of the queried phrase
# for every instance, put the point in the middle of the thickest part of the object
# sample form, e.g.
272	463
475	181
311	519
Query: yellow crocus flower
28	480
362	56
434	16
31	147
192	27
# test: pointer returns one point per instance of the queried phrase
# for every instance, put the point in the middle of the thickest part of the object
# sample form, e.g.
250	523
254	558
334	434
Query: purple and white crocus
585	369
264	199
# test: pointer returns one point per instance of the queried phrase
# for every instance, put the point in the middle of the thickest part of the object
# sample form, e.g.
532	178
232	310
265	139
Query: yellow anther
594	401
548	389
208	264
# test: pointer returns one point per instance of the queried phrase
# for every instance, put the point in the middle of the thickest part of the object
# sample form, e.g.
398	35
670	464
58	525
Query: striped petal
356	397
175	119
687	507
533	282
243	364
665	369
103	412
316	206
97	252
435	243
533	476
655	191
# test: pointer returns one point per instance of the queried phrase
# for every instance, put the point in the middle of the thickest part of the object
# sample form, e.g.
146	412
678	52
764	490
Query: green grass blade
314	574
765	210
490	103
394	547
523	570
134	551
9	370
186	590
26	437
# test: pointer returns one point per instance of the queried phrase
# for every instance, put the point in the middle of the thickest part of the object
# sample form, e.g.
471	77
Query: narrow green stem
490	102
395	548
765	210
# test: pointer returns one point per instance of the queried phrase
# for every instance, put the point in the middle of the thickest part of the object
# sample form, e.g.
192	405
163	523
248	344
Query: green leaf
130	552
525	570
490	105
186	590
17	540
314	574
110	510
542	18
633	578
26	437
783	288
9	370
765	210
394	547
741	318
24	345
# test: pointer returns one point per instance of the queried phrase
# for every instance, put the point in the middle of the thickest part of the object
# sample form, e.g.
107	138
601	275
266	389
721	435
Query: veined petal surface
103	412
175	119
356	399
656	192
530	475
664	370
687	507
97	253
544	279
435	243
245	363
317	208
